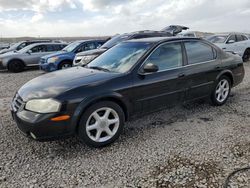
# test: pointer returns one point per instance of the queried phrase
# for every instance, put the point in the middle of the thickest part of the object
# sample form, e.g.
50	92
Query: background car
233	42
64	58
85	57
195	34
16	61
131	79
19	45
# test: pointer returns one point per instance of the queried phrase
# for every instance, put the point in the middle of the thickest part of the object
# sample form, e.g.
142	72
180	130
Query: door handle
181	75
224	48
218	67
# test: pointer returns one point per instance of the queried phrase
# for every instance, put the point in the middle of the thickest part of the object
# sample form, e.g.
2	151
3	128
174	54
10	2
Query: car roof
162	39
90	40
230	33
46	43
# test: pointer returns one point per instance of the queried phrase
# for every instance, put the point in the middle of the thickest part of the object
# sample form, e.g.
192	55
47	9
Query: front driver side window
38	49
232	38
166	56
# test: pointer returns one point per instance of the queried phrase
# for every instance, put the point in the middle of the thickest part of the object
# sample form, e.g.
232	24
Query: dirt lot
195	145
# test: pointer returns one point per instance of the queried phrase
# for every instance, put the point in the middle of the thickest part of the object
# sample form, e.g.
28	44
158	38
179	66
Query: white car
233	42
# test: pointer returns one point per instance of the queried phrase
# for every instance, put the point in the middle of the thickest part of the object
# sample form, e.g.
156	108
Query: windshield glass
217	38
71	47
14	46
115	40
120	58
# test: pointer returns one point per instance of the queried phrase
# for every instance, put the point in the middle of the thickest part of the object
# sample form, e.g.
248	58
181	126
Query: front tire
101	124
15	66
246	56
65	65
221	91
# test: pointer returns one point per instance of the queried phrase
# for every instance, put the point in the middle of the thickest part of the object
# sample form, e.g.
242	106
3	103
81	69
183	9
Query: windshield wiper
99	68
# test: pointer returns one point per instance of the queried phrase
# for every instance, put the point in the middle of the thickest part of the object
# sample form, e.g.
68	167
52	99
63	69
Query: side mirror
29	52
231	41
150	68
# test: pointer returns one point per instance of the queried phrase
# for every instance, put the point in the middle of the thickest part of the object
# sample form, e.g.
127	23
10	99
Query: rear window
198	52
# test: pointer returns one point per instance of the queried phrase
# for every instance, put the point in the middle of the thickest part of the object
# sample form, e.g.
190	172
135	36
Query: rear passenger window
50	48
239	38
244	37
198	52
166	56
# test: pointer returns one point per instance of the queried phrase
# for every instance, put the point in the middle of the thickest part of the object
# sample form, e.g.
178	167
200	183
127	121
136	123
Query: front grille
17	103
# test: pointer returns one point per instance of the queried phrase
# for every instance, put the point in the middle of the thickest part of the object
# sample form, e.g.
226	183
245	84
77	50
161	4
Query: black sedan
129	80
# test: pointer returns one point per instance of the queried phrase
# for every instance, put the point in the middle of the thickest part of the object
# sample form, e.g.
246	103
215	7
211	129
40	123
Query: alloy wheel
102	124
222	90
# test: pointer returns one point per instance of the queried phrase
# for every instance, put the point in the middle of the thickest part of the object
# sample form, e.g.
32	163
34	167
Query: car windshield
115	40
120	58
71	47
217	38
14	46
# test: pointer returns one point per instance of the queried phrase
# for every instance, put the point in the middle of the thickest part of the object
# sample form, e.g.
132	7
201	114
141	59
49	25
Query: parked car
84	58
4	46
19	45
233	42
64	58
195	34
16	61
131	79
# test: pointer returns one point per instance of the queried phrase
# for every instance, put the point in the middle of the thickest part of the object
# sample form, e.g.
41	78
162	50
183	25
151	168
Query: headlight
43	105
86	59
53	59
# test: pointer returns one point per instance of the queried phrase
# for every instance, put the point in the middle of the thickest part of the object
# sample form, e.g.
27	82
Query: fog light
32	135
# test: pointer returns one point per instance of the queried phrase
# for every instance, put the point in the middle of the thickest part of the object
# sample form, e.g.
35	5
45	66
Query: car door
231	43
35	53
166	86
201	69
241	44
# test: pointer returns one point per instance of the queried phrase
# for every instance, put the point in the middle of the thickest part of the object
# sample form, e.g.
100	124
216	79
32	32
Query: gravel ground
195	145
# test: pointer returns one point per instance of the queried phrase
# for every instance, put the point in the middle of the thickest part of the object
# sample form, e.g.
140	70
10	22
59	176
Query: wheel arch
64	60
227	73
15	59
87	102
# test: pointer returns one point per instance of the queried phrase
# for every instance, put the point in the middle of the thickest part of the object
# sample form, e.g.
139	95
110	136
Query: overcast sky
107	17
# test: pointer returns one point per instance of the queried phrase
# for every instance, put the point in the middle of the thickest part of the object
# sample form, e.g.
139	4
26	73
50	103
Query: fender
86	102
226	72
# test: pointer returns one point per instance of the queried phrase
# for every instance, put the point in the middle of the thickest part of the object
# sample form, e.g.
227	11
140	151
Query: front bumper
48	67
40	127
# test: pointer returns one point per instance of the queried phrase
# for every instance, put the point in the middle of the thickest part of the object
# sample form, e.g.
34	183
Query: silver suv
16	61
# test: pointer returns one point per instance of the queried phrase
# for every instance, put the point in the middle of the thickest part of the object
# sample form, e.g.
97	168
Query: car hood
92	52
9	54
53	84
5	51
59	53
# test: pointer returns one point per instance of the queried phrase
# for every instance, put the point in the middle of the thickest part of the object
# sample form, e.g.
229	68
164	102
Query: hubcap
102	124
222	90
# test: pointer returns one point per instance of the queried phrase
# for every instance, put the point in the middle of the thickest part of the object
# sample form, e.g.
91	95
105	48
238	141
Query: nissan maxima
132	78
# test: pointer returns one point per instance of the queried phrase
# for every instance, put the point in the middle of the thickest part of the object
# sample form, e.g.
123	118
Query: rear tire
16	66
65	65
221	91
101	124
246	56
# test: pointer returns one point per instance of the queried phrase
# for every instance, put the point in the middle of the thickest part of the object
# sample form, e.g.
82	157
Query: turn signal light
60	118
